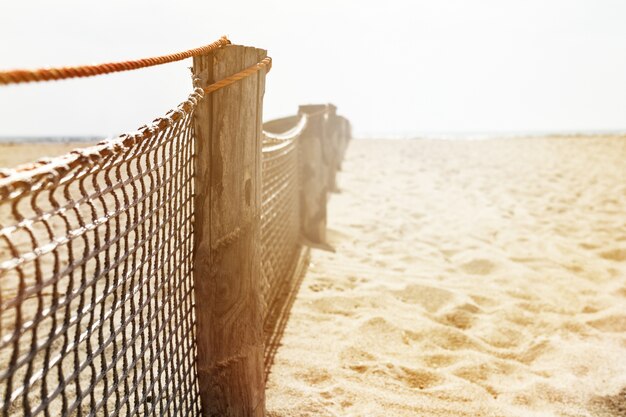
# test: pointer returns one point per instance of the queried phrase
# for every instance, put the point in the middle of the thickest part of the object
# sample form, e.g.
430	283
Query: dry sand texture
483	278
479	278
13	154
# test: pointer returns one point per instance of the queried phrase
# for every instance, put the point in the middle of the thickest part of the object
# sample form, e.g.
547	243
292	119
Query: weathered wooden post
313	174
227	251
346	136
331	146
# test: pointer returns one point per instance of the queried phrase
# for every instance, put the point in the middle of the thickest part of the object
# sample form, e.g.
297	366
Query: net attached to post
280	230
96	289
97	305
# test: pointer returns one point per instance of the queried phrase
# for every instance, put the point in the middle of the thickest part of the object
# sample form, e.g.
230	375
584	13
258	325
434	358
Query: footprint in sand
421	378
353	355
314	376
617	255
481	373
610	405
478	267
614	323
451	339
448	253
416	378
503	337
337	305
484	301
440	360
461	317
589	246
338	395
534	351
357	360
320	286
325	284
431	298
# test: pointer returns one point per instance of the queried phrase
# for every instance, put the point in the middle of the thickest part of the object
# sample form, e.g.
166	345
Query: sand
481	278
14	154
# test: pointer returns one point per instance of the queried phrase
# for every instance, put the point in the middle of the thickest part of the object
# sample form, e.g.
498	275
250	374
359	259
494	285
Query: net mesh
96	271
280	229
96	289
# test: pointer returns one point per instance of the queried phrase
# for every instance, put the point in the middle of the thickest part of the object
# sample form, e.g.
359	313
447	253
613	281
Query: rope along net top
281	248
48	74
95	279
280	219
96	289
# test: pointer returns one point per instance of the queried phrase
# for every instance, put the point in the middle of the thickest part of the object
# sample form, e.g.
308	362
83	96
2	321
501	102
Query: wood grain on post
313	174
229	330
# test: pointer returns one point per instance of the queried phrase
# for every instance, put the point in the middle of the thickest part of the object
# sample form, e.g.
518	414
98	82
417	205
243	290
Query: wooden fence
247	196
230	144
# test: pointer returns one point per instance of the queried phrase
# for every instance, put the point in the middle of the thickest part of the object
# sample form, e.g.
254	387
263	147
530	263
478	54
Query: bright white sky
394	67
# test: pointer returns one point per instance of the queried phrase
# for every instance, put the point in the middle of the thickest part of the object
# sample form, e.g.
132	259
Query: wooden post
229	314
331	146
313	174
345	136
347	129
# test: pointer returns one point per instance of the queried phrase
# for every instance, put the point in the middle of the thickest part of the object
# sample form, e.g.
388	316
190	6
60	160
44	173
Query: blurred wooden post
227	251
313	174
331	144
343	126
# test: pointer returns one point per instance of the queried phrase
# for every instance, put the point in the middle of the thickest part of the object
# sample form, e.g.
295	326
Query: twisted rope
270	139
231	79
47	74
23	178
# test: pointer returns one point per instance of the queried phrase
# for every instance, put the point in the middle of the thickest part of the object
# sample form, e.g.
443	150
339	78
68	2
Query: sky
392	67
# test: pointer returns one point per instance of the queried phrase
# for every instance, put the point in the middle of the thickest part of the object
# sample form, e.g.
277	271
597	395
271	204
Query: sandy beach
470	278
477	278
14	154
